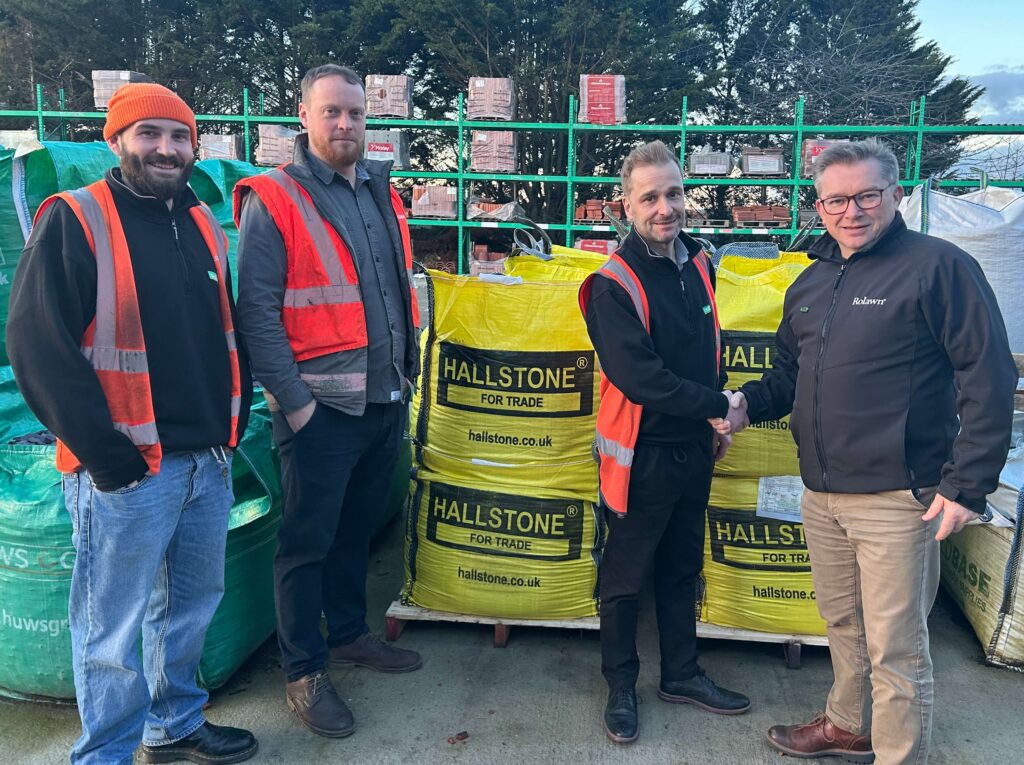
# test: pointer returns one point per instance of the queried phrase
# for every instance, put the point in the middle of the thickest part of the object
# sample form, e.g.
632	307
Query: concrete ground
539	700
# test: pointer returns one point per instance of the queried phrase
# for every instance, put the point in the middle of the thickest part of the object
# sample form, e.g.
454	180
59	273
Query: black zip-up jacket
876	356
53	301
671	372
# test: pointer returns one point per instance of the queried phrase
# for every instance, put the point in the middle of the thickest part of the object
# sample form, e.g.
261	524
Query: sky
986	40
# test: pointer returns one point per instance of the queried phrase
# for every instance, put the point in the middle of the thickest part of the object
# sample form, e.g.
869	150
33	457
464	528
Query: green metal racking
915	130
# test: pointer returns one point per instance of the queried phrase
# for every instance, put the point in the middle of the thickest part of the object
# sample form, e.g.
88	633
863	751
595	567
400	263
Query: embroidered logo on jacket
869	301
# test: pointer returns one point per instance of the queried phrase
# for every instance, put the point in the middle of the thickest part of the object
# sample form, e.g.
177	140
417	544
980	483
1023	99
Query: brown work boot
821	738
313	699
370	651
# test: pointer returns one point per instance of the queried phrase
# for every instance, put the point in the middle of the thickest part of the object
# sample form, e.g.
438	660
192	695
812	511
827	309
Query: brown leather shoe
370	651
821	738
313	699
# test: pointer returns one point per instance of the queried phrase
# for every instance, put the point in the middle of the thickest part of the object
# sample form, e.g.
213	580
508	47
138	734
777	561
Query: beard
136	173
337	155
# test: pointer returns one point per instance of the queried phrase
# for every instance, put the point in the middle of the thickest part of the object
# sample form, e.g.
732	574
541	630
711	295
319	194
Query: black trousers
663	530
335	473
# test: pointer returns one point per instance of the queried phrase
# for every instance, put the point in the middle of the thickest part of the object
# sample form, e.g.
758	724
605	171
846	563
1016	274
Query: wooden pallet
762	223
398	615
707	222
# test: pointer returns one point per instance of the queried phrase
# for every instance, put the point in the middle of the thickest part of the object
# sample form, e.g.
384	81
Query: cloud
1003	101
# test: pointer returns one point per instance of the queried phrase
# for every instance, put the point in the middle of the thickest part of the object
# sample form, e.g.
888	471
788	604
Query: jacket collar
366	169
827	248
637	245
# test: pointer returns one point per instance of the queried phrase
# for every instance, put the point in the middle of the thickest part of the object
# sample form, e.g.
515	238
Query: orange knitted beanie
146	100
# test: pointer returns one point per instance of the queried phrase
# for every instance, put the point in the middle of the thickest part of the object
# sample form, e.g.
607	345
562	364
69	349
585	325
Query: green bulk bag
36	559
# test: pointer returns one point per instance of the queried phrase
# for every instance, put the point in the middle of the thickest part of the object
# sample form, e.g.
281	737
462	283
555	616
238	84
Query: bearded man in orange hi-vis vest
326	304
651	314
121	337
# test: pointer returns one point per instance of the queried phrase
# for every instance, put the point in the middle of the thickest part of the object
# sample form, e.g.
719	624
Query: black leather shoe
620	719
700	690
370	651
210	745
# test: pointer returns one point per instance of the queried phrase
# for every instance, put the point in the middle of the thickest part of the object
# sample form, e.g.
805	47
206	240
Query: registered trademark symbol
571	511
581	362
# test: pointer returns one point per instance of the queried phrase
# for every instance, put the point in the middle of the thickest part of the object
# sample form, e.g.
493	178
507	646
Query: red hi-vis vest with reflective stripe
618	418
113	341
323	307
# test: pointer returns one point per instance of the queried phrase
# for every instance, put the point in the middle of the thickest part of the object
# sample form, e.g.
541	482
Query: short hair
328	70
848	153
653	153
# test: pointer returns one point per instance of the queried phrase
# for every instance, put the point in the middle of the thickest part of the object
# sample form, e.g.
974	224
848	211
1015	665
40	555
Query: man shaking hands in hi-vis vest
122	341
326	305
651	314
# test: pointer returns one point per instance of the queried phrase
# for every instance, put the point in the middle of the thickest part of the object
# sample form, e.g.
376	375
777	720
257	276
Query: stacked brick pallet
387	145
756	160
810	150
434	201
592	210
105	83
761	216
493	151
389	95
709	163
486	261
602	99
276	145
491	98
221	147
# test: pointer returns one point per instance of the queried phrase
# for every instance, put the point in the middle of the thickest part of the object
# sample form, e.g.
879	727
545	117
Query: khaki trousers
875	566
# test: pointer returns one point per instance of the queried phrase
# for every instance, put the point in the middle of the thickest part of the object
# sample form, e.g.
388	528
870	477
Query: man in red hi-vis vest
121	336
651	314
325	302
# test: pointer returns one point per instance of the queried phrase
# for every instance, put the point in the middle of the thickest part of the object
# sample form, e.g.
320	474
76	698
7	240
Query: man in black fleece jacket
893	358
651	315
121	339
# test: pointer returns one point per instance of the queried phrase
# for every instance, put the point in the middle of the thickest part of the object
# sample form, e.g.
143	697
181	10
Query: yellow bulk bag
508	391
757	572
497	552
750	295
566	265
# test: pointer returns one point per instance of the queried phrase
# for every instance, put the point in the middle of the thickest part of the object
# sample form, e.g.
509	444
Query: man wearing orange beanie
121	336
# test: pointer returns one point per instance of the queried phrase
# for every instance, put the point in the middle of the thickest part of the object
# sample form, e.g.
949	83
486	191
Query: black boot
209	745
620	719
700	690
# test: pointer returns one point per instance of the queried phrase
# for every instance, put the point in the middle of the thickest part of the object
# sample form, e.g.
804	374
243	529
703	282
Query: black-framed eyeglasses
866	200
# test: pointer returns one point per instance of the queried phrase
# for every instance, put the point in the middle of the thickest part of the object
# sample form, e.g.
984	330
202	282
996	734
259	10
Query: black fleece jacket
53	300
671	371
877	356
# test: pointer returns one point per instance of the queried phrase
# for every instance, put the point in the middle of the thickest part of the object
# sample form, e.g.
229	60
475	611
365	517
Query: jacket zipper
181	255
819	443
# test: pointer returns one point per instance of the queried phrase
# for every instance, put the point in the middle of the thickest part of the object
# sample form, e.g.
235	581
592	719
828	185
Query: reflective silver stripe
621	454
140	435
332	295
345	382
116	360
106	300
236	406
314	225
628	282
232	344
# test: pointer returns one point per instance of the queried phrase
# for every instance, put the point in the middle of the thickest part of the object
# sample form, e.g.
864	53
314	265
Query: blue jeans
151	561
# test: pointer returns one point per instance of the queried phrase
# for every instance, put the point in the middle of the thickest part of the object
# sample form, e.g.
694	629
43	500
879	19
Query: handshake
736	420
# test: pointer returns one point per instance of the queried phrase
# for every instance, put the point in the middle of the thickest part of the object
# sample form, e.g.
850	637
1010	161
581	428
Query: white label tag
778	497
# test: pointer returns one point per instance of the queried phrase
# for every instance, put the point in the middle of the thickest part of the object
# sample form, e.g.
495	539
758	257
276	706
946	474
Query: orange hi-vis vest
113	341
323	309
618	418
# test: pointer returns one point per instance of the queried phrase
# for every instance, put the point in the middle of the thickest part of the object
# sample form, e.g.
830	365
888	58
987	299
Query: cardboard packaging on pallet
221	147
277	143
809	151
493	151
388	145
602	99
434	201
491	98
12	139
709	163
756	160
105	83
389	95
